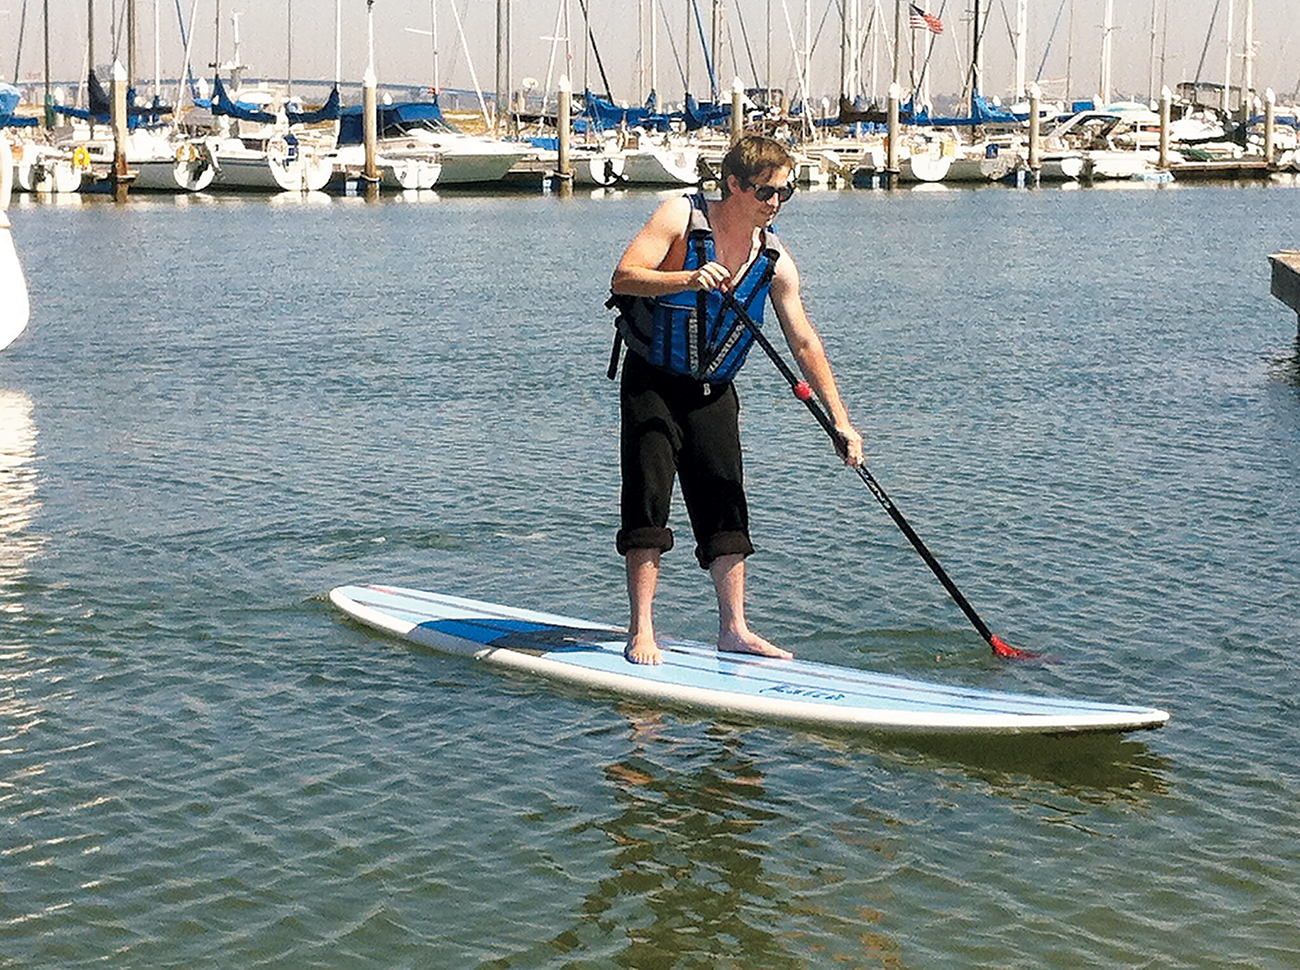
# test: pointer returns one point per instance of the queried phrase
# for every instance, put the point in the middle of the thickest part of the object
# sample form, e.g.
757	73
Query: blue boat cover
242	110
329	111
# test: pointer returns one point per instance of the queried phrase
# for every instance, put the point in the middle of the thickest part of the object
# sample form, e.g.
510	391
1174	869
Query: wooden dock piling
1286	279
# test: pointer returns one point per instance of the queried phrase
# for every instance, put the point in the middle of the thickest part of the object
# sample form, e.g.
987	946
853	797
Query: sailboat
256	149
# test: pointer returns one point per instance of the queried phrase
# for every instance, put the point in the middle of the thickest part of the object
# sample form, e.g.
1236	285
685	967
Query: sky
403	45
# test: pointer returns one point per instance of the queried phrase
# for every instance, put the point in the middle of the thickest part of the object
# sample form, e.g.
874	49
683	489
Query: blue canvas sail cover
393	120
329	111
9	98
241	110
705	115
606	114
981	113
100	110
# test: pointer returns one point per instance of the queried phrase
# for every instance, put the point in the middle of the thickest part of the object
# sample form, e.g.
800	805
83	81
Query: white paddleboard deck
695	675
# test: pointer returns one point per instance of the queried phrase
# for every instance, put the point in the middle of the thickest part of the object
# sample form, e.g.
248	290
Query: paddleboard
696	676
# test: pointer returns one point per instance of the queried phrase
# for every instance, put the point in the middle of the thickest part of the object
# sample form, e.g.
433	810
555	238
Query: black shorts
671	427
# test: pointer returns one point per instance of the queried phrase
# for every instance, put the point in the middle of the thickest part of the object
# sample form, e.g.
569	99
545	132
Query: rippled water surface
1086	402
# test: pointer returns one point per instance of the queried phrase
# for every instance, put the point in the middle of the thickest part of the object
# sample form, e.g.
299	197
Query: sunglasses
764	192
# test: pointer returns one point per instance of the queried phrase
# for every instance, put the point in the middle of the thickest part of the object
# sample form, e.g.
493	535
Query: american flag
920	20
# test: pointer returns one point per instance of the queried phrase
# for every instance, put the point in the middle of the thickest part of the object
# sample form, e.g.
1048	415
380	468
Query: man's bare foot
749	642
642	649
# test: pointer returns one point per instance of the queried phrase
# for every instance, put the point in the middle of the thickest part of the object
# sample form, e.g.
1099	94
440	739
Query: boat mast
130	44
1022	30
718	48
686	81
1069	58
1248	64
1151	56
1227	64
49	105
1107	28
433	31
654	54
288	67
157	53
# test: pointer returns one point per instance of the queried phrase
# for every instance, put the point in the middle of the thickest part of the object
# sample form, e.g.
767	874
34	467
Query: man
679	409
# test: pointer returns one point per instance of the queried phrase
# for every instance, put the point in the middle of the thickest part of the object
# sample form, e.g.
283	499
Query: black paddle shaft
804	393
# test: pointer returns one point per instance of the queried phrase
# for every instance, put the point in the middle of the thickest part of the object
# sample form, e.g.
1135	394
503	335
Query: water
1086	402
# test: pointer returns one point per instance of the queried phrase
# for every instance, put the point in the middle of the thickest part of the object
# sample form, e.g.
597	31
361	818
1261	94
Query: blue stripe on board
487	632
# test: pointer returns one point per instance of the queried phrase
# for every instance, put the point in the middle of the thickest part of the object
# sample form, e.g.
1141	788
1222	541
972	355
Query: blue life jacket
667	330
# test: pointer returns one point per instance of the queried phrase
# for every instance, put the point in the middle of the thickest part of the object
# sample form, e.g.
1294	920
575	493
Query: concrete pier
1286	279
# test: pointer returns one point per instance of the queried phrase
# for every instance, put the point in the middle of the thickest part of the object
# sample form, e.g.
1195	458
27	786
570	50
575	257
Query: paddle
805	394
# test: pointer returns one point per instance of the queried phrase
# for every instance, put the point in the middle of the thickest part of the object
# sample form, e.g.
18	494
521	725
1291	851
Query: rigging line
704	46
731	47
980	31
600	66
929	53
668	30
748	50
1006	19
22	29
118	29
821	26
1050	37
1196	82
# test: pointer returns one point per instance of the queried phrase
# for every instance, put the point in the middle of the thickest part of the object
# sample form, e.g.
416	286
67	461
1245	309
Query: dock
1286	279
1227	168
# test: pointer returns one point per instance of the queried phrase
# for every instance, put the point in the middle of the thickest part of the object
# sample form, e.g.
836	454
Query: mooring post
891	154
564	106
1035	132
370	127
1166	116
737	110
119	176
1270	114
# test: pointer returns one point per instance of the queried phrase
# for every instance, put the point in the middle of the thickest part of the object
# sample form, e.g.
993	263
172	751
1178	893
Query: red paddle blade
1003	649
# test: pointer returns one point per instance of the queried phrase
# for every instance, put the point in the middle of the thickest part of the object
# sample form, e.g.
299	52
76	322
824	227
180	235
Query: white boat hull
38	169
408	174
269	172
924	168
662	166
980	168
603	169
172	174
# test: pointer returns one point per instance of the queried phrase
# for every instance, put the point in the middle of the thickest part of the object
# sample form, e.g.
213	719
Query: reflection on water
1094	768
18	505
689	881
1286	369
18	498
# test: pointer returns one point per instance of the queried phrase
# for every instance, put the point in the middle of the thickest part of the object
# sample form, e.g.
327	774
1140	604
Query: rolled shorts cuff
644	537
723	544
